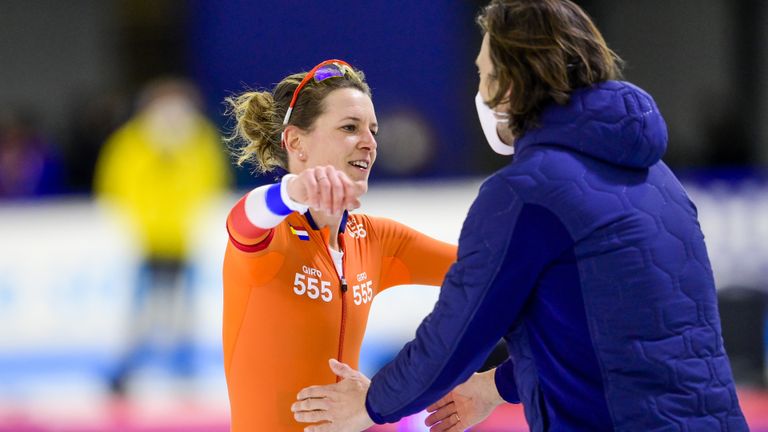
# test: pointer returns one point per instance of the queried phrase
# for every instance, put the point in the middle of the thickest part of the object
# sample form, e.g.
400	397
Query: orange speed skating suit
287	311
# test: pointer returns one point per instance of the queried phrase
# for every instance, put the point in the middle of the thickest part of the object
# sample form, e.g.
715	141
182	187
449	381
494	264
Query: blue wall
417	55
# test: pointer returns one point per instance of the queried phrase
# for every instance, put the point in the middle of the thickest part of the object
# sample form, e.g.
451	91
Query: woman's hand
326	189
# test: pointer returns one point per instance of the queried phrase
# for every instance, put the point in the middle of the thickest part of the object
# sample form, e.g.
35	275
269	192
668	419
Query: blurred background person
29	164
161	168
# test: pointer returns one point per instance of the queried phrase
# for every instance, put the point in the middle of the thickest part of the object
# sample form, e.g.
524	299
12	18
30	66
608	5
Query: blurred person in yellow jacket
161	168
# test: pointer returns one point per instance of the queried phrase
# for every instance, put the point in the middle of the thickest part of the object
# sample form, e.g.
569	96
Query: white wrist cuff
291	204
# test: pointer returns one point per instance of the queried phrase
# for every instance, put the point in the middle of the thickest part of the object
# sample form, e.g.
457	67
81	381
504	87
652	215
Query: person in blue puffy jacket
584	254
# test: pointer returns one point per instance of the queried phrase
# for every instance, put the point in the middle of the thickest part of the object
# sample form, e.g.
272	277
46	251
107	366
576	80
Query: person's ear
292	140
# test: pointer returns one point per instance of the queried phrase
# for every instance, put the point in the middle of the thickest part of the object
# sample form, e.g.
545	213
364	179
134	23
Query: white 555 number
362	293
312	287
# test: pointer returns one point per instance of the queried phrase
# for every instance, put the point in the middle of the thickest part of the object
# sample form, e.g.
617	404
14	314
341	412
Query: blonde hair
259	116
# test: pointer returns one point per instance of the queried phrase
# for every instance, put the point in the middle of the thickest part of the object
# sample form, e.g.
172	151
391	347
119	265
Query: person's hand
466	405
337	407
326	189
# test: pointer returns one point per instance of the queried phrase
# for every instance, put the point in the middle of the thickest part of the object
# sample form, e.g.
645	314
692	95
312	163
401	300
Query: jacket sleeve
410	257
504	378
504	246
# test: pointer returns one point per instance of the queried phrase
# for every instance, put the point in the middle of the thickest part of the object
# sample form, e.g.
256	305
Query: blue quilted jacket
586	256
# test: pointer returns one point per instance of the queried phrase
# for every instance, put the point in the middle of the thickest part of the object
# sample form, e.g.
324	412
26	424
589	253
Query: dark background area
73	69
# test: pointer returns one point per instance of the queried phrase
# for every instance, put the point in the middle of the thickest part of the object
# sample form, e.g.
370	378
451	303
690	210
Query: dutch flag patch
301	233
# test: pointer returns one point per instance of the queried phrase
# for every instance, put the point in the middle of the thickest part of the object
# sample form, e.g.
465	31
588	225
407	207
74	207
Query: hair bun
258	124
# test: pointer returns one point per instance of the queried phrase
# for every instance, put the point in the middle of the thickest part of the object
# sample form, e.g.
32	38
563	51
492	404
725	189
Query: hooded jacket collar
613	121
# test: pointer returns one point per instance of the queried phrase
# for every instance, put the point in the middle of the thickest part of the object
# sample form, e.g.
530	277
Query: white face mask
488	120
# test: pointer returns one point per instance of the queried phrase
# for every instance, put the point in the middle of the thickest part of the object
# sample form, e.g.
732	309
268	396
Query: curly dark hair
541	50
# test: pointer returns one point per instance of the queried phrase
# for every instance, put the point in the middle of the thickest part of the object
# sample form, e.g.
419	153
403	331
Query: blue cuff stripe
275	202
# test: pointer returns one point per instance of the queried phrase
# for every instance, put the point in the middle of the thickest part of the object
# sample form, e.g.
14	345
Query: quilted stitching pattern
646	280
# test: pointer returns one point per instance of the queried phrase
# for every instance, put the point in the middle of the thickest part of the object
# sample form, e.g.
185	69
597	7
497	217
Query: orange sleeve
243	234
410	257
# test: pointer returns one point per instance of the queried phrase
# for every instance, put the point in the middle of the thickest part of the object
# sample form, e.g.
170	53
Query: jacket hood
614	121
